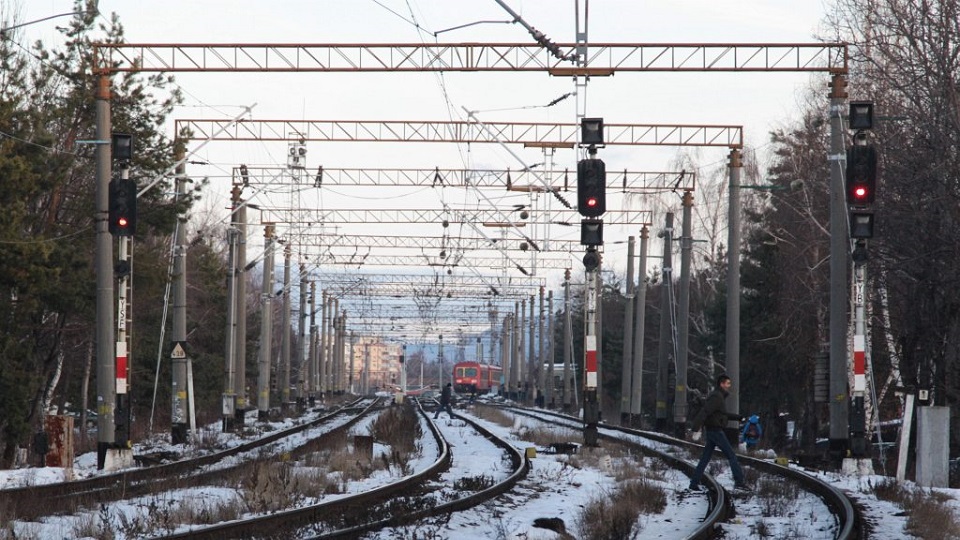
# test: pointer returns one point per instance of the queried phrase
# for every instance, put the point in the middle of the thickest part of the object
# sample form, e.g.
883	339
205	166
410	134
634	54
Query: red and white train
470	377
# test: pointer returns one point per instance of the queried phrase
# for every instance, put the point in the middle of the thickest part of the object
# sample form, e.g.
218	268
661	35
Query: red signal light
592	202
122	222
860	192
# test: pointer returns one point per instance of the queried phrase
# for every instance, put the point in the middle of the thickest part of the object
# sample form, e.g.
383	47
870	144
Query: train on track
474	377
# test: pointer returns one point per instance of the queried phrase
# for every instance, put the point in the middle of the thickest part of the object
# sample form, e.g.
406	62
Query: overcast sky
760	102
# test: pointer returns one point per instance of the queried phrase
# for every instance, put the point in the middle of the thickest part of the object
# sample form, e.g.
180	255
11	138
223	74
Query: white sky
760	102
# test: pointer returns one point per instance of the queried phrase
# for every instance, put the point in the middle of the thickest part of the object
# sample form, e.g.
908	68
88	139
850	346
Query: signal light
591	187
122	215
861	175
591	232
591	259
861	224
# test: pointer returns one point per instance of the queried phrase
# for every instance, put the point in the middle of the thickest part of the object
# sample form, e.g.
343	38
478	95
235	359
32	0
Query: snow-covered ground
557	487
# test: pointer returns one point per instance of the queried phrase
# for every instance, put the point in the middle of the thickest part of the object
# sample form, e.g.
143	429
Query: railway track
33	502
848	524
406	500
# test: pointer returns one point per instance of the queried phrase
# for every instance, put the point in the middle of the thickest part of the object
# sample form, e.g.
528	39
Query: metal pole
124	318
341	350
505	348
733	287
285	336
858	419
365	384
541	370
324	359
666	336
106	389
516	363
551	352
229	403
440	361
302	349
636	400
530	379
353	340
591	381
627	358
312	349
181	391
567	345
266	326
683	318
839	265
240	347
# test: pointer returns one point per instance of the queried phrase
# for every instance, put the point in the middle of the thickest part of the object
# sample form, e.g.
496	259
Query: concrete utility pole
666	316
733	290
532	358
567	345
181	418
551	353
541	353
505	349
516	352
106	368
285	328
683	318
240	348
301	370
341	351
353	341
839	264
636	400
523	370
266	326
365	379
312	349
229	402
440	361
626	381
324	357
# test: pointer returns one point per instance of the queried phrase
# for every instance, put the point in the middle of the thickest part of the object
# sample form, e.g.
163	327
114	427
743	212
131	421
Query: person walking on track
445	398
713	417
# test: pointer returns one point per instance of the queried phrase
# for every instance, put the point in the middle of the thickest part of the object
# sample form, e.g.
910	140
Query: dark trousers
716	438
443	407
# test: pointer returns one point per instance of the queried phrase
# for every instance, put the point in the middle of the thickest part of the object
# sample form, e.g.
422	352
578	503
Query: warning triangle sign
178	351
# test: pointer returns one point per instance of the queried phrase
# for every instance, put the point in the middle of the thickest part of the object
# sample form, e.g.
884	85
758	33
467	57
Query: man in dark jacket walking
712	417
445	401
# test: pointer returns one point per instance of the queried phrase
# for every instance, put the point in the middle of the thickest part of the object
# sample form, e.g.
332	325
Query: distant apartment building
376	365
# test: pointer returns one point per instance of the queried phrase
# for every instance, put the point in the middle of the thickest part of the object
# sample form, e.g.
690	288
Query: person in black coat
445	397
713	417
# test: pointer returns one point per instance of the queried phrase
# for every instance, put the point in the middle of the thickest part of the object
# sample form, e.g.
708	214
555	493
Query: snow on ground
555	488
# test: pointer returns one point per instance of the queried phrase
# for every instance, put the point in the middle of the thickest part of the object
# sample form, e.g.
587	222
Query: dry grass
929	516
614	516
776	497
492	414
399	428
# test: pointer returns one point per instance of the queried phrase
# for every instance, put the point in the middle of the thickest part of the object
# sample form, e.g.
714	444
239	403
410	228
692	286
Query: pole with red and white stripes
858	442
591	341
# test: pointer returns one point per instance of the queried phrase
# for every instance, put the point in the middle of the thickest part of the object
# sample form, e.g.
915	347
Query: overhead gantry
602	59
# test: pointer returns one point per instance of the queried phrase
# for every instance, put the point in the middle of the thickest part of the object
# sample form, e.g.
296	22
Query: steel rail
63	496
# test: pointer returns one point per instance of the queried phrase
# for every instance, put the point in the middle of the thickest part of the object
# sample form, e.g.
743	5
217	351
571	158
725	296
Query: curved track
849	523
393	504
32	502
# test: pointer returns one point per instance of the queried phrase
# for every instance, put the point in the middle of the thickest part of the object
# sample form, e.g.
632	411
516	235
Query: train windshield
467	372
